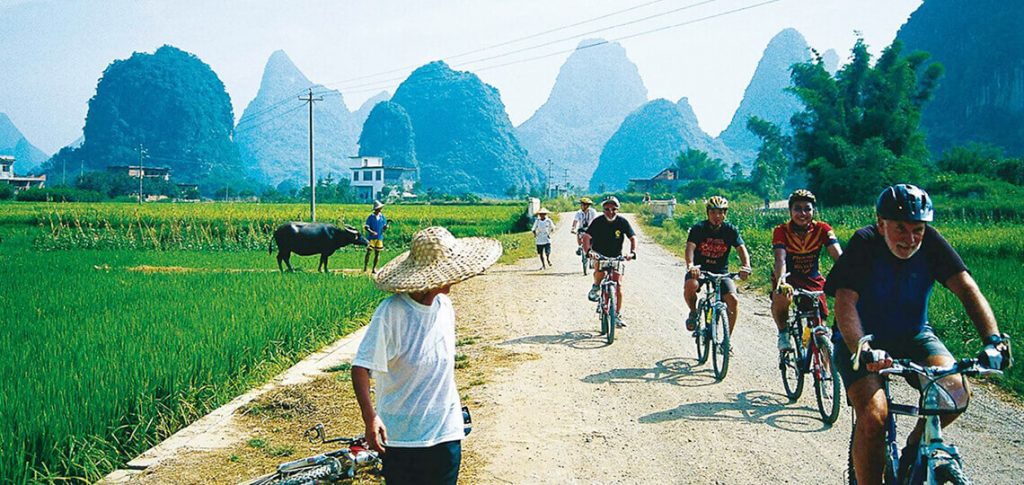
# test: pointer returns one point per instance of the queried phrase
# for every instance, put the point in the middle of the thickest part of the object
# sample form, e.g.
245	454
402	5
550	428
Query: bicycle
329	467
712	333
811	354
581	252
937	461
606	304
334	466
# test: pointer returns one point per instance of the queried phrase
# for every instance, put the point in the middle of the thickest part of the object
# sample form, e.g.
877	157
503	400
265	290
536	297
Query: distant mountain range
981	96
273	133
464	139
12	142
649	140
766	96
596	88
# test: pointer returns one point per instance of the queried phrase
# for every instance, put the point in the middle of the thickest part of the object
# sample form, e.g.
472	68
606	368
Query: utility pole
565	180
547	186
312	180
142	152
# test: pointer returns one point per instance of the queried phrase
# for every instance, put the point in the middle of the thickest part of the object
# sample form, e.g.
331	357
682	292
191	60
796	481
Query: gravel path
642	410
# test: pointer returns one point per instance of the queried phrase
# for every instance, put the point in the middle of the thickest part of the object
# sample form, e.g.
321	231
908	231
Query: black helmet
905	202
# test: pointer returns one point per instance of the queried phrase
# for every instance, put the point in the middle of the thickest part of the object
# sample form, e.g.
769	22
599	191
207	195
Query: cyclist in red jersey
797	245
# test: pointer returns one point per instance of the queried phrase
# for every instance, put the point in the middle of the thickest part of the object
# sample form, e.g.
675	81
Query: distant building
370	176
668	178
133	171
20	183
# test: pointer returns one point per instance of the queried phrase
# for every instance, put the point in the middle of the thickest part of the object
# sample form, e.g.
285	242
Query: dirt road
641	410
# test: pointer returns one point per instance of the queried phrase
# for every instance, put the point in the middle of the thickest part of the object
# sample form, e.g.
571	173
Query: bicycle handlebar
906	367
600	257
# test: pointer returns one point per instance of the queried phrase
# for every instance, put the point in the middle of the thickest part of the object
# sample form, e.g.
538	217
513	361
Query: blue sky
54	51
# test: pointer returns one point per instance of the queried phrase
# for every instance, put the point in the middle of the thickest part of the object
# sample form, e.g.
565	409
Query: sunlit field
123	323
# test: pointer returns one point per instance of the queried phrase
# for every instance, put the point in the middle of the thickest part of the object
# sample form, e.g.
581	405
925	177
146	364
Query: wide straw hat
543	211
437	259
377	205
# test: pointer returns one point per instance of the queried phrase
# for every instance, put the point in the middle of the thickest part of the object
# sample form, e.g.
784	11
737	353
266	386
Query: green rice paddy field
989	239
123	323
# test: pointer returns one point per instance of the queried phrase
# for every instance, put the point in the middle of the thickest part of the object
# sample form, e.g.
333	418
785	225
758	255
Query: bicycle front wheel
826	381
585	261
327	472
790	367
720	344
951	472
612	315
700	334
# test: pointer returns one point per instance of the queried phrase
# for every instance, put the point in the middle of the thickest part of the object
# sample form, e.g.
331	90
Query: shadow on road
770	408
547	272
576	339
677	371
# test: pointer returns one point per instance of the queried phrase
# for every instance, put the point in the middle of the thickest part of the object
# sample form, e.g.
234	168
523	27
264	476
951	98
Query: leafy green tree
773	159
696	164
859	130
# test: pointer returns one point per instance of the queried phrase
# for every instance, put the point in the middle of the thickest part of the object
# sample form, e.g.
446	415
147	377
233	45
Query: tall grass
989	238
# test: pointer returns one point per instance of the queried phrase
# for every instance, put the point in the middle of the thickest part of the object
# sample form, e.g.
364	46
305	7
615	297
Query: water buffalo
308	238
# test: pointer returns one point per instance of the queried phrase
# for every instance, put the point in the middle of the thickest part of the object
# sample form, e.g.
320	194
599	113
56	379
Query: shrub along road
642	410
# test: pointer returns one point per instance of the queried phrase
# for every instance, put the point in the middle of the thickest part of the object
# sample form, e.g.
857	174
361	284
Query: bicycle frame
712	299
818	330
606	303
933	451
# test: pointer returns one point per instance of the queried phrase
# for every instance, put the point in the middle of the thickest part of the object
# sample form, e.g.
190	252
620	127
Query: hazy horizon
56	50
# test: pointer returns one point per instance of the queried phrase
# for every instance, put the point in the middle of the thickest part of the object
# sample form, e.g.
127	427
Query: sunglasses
610	208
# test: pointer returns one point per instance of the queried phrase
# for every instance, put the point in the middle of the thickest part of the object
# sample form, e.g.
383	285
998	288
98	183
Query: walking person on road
409	350
707	248
797	245
882	285
605	236
543	228
375	226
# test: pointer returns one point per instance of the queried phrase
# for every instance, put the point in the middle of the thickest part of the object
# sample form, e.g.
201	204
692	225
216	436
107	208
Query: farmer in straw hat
375	226
542	230
409	348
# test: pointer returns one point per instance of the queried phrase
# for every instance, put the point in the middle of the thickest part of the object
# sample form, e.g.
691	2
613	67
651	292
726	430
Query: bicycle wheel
720	343
790	367
612	315
951	472
585	261
826	380
850	474
700	335
328	471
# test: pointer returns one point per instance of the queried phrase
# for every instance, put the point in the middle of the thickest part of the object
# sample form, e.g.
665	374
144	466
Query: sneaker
785	344
592	296
579	251
691	321
619	323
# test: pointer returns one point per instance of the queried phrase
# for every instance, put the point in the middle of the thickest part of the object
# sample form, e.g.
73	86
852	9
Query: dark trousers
438	464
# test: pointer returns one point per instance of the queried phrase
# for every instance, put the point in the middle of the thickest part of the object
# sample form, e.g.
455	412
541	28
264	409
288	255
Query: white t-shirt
583	219
410	350
543	229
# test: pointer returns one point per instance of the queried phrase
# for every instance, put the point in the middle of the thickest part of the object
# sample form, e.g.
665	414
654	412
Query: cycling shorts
916	348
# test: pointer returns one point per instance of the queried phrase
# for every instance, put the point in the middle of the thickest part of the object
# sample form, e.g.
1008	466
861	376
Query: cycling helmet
905	202
802	195
586	200
717	202
611	200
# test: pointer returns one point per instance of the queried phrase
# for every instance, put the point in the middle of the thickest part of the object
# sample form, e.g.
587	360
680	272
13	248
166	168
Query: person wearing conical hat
543	228
409	349
375	226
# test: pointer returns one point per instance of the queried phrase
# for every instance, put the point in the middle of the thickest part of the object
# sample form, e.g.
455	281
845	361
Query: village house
668	178
370	177
134	171
19	183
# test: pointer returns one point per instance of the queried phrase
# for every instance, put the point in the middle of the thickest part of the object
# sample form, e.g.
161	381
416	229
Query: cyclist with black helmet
707	248
797	245
605	236
881	285
582	219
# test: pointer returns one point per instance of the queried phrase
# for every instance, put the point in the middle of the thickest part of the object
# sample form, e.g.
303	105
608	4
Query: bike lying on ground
606	304
937	461
712	332
334	466
811	353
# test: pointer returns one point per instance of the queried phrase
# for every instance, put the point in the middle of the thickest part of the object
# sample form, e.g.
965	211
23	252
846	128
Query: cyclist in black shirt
707	246
605	236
